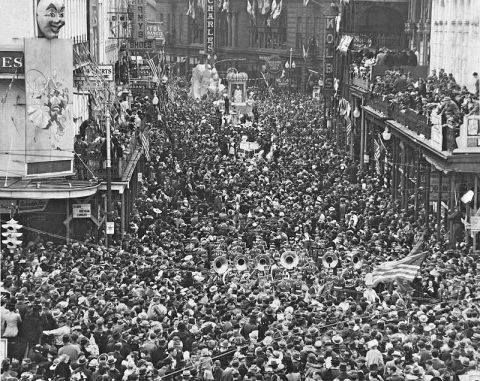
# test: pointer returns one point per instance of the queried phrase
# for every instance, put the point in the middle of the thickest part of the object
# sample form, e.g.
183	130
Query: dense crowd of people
156	309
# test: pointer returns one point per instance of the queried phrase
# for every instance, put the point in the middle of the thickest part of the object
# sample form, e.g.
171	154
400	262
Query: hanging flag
376	154
278	10
260	4
348	126
191	9
305	2
153	67
145	145
251	9
273	7
201	4
226	5
266	6
404	270
305	52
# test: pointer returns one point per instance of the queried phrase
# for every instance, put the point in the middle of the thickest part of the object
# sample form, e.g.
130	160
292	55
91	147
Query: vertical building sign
329	55
139	20
210	13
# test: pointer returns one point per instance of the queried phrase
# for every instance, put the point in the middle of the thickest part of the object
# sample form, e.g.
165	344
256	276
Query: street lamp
289	65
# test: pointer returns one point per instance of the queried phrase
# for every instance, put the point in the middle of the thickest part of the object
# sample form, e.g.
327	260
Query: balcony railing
406	117
96	164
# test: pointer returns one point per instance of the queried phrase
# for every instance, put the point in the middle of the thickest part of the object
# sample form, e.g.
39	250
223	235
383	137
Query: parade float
205	80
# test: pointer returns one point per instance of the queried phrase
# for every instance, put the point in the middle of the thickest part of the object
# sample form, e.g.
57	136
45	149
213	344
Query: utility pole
109	221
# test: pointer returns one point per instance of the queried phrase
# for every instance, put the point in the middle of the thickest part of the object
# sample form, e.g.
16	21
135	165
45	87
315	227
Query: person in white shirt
59	332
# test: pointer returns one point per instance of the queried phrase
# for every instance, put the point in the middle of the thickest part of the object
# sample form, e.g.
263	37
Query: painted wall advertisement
329	55
210	13
49	134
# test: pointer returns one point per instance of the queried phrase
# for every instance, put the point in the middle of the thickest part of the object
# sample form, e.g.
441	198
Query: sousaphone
220	265
330	260
241	263
289	260
262	262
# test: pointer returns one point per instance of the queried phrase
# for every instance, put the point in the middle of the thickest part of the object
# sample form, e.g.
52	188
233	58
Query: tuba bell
330	260
262	262
220	265
241	263
289	260
356	260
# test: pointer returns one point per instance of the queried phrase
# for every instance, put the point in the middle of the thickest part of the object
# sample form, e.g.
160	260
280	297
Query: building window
195	28
299	35
269	34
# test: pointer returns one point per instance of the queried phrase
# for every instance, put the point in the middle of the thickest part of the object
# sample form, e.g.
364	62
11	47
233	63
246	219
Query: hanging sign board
110	228
82	211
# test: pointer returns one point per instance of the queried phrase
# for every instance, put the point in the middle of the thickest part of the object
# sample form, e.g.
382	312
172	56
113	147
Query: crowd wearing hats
153	308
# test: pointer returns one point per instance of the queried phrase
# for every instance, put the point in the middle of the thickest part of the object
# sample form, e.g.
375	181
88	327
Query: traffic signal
12	234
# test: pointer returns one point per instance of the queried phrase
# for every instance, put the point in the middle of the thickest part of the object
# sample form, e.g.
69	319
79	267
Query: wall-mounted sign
154	31
329	55
107	72
82	211
110	227
11	62
140	45
138	19
210	14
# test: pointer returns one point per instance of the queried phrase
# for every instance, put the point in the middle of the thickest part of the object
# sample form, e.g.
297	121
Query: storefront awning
437	164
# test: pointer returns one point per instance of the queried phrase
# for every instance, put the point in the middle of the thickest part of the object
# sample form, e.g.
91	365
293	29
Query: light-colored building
455	39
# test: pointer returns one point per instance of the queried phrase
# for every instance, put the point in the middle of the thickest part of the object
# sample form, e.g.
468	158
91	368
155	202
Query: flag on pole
153	67
305	2
145	145
402	270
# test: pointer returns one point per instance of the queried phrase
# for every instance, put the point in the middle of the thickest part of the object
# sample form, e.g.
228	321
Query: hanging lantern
356	113
386	134
155	99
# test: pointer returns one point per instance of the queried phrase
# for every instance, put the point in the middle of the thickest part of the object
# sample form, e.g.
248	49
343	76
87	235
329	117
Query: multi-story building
455	39
247	41
45	184
428	160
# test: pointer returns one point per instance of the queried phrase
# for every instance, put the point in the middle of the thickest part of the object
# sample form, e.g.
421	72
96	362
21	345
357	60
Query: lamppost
290	65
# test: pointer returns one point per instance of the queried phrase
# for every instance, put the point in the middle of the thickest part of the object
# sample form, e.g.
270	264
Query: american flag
153	67
376	154
403	270
349	126
145	145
